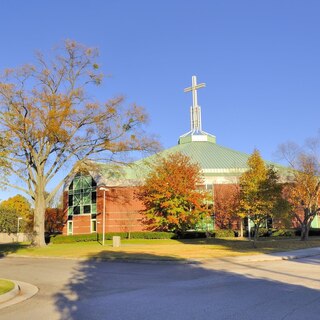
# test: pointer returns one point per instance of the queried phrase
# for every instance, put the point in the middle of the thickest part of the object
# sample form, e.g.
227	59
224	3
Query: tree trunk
256	234
38	239
304	232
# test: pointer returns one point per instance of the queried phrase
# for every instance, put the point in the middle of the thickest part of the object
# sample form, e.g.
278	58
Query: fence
13	237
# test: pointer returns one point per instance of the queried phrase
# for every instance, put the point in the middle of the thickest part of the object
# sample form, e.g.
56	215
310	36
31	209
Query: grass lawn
5	286
161	249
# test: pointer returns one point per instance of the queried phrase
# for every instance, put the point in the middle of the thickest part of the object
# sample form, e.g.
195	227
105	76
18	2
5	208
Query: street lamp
104	213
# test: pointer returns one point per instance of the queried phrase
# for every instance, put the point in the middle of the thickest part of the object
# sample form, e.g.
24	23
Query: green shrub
151	235
108	236
264	232
190	235
314	232
284	233
224	233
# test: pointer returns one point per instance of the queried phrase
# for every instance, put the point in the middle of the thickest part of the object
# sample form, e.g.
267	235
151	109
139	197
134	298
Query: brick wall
122	212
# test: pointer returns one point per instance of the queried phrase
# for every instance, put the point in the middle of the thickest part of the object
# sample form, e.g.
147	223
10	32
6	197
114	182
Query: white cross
195	110
194	89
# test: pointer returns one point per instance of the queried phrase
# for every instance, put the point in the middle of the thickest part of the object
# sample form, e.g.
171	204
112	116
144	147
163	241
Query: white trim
224	170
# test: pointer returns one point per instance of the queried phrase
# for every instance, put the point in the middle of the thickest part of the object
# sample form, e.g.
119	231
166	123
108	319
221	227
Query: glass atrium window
82	195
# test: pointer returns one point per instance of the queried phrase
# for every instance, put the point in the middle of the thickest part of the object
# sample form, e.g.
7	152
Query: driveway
218	289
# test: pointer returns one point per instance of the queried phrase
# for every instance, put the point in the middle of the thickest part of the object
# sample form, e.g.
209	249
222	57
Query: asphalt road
214	290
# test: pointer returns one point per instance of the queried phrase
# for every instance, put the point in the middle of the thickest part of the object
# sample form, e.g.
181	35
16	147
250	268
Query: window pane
71	186
76	199
94	208
93	226
86	182
86	209
76	210
94	197
77	183
70	226
70	200
86	198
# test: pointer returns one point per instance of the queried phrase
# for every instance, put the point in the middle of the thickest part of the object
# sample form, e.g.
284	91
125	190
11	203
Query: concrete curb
278	256
21	292
10	294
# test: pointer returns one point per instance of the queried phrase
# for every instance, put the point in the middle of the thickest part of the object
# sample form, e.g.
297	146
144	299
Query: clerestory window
82	195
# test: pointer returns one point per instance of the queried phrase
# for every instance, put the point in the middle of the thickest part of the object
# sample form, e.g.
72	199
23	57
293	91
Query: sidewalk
289	255
21	292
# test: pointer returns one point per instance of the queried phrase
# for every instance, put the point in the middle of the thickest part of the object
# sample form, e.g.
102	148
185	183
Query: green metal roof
211	155
214	160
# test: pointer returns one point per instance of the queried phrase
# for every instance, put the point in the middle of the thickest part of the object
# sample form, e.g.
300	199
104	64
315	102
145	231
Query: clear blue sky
260	61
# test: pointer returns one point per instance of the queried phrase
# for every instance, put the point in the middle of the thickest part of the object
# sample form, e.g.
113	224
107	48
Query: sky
260	61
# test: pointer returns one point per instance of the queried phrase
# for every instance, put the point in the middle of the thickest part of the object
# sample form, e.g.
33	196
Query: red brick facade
122	212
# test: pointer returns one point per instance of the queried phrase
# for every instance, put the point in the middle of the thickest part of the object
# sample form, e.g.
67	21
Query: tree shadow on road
99	289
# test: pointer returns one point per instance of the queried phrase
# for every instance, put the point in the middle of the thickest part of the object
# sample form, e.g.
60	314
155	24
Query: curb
278	256
21	292
10	294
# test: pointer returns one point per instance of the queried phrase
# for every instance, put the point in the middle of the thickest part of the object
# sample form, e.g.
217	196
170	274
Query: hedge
223	233
285	233
108	236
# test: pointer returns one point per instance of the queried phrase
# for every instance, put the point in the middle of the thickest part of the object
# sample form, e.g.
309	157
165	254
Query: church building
104	199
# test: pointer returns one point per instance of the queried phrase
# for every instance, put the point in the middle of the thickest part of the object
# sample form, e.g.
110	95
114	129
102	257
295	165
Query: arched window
82	195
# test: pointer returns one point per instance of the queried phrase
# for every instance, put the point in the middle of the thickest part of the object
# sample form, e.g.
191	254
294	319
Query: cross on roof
194	89
195	110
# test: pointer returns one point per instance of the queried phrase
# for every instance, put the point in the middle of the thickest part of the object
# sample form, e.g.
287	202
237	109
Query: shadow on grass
263	245
112	290
8	248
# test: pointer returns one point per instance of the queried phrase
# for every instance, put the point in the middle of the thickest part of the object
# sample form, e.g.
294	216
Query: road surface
71	289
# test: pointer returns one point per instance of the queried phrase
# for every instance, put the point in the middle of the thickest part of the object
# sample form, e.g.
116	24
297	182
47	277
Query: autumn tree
303	189
8	220
54	219
260	193
21	206
49	118
170	194
226	202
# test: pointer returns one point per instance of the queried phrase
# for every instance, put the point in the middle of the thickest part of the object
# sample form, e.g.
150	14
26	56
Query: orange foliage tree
170	194
48	118
303	194
226	202
303	190
54	220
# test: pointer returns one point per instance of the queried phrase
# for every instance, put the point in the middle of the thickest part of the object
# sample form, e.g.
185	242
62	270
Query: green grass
168	249
5	286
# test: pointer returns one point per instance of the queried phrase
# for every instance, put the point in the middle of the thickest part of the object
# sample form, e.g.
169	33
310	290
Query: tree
303	190
226	202
54	219
260	193
170	194
48	119
8	220
21	206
